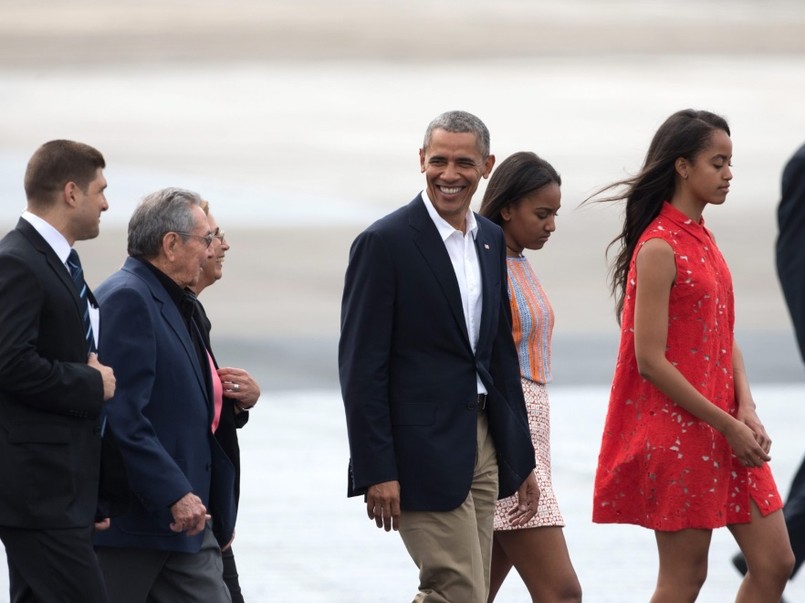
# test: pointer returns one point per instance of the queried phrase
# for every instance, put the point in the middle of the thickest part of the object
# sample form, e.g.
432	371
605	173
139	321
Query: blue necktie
74	264
77	273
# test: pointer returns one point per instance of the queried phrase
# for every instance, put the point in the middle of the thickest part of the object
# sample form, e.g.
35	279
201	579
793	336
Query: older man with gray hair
168	547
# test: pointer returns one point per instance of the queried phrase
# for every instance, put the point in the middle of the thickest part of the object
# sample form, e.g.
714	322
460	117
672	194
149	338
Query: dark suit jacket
791	242
50	399
407	370
230	422
161	414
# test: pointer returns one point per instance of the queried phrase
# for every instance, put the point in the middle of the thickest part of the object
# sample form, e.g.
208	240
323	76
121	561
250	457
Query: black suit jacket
408	372
50	399
791	242
230	421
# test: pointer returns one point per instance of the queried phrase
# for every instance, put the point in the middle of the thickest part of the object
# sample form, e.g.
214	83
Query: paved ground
300	539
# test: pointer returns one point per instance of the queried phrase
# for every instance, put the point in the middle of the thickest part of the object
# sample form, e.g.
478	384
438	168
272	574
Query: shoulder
655	258
130	281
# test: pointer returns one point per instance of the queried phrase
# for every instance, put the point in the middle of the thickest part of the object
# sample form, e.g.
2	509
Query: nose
450	172
550	224
728	173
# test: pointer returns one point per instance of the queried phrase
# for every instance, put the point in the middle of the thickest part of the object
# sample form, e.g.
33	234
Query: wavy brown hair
684	134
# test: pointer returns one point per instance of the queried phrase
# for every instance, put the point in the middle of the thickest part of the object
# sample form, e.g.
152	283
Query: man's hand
103	524
383	505
107	374
189	515
527	499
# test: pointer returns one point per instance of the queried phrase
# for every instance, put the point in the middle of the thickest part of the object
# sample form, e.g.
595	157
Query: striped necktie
74	264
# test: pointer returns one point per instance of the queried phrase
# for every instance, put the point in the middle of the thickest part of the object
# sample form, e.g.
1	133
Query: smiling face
706	179
453	167
213	268
528	223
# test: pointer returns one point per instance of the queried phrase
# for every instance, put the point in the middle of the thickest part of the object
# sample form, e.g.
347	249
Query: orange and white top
532	320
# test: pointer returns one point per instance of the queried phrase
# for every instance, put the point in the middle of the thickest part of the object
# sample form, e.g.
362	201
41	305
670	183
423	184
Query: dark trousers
794	512
153	576
52	566
231	575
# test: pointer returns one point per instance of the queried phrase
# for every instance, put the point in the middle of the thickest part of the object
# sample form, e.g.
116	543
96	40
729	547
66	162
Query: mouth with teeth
450	190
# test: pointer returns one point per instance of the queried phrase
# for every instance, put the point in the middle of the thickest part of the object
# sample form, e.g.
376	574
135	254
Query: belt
479	404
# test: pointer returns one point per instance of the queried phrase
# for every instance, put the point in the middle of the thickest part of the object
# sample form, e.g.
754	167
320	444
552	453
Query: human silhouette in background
791	271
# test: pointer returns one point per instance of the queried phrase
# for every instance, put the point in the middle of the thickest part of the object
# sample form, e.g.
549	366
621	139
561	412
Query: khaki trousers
453	548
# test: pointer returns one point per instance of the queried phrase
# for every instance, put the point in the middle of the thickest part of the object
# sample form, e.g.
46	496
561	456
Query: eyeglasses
206	238
220	235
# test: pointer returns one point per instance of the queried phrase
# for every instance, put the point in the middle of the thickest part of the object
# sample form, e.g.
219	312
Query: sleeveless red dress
659	466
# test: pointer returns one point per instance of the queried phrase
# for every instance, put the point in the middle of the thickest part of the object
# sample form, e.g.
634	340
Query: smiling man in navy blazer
429	374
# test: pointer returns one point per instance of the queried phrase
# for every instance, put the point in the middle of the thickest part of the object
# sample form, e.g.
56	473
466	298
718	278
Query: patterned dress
532	324
660	467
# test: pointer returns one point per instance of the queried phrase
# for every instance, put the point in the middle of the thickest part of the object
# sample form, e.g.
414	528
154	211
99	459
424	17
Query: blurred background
300	121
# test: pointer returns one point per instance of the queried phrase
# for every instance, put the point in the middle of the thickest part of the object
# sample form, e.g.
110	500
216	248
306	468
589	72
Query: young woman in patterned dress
683	450
523	197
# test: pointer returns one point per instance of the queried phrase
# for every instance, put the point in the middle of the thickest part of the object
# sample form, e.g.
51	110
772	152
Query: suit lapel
54	263
172	318
435	254
488	260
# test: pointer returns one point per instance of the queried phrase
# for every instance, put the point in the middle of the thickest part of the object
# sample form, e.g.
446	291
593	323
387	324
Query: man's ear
69	194
488	165
170	242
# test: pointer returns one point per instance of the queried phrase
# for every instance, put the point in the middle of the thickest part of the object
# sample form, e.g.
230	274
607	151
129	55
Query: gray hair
166	210
460	122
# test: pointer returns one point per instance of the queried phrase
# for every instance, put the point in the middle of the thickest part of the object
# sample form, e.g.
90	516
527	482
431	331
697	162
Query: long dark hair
516	177
684	134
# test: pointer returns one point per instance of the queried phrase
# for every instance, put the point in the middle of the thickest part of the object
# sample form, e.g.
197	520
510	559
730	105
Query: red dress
660	467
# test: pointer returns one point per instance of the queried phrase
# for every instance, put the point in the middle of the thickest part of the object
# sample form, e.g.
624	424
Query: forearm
743	395
663	375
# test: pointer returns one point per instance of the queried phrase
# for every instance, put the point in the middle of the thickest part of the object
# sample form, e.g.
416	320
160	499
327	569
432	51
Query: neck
513	252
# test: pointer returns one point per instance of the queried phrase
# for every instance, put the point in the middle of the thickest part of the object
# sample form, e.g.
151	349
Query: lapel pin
486	246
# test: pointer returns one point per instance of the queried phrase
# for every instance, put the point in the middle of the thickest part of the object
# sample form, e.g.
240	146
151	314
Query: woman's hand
745	444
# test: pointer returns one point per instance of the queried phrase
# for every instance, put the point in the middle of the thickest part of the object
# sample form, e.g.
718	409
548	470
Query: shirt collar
446	229
52	236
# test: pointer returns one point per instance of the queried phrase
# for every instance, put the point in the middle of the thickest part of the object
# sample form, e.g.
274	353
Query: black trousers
794	512
231	575
50	566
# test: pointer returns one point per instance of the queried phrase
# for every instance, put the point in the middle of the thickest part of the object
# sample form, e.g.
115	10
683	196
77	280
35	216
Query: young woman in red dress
683	450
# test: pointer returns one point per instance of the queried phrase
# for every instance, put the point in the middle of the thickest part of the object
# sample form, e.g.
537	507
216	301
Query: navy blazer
408	372
791	242
161	414
50	399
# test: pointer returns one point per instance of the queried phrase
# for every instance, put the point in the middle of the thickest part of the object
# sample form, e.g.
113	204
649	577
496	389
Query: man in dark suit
429	375
52	386
167	548
790	255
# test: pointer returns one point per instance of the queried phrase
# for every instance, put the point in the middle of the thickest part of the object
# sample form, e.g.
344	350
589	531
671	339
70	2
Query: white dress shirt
61	248
464	257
